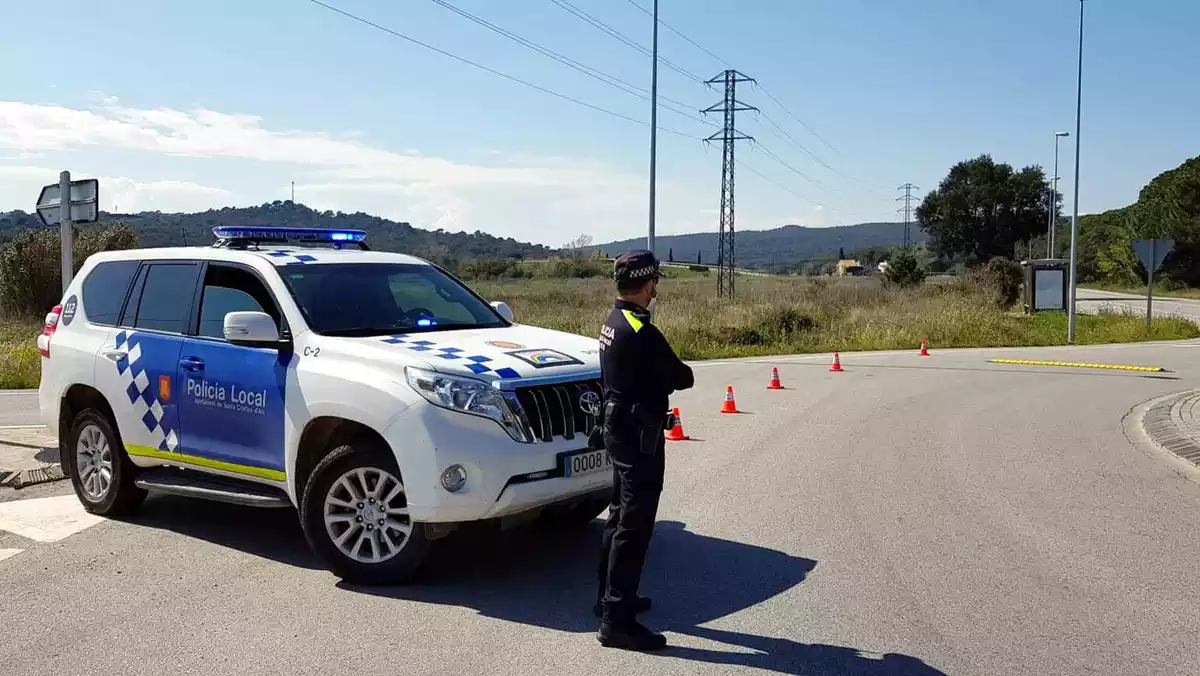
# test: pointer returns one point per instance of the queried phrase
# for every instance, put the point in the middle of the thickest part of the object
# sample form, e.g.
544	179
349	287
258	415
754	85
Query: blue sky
189	105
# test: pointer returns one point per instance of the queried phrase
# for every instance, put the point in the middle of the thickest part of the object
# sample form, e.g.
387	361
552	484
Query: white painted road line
46	519
8	553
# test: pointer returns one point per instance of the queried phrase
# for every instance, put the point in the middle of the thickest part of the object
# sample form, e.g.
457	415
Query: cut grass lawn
772	315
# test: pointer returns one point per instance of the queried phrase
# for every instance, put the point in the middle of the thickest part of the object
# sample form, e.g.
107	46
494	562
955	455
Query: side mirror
252	329
504	310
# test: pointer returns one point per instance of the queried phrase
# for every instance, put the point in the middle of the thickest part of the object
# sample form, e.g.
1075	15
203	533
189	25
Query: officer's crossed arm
669	369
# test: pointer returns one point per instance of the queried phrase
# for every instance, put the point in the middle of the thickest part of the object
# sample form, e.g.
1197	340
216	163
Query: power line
793	169
579	13
611	80
770	96
692	42
493	71
801	122
777	184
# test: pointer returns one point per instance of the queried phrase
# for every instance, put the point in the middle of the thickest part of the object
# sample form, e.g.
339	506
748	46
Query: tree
983	209
904	270
698	261
670	255
841	254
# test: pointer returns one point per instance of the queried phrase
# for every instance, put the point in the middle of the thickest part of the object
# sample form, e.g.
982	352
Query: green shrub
31	266
904	270
1002	279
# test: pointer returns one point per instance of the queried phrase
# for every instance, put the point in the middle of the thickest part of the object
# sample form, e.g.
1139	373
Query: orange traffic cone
774	384
837	363
676	431
924	348
729	406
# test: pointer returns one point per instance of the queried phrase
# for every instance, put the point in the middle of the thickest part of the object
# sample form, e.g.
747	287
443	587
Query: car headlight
466	395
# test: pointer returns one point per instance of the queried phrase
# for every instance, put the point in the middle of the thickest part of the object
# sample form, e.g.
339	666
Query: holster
634	422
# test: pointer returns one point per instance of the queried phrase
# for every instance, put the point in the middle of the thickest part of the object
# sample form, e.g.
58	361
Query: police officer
639	371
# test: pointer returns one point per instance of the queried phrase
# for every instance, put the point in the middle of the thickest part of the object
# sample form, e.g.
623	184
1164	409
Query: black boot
630	636
640	605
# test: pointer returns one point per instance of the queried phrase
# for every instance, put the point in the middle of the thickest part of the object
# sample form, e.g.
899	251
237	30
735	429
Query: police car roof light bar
232	237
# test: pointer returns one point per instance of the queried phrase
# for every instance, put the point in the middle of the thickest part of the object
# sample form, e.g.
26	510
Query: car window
105	289
166	299
229	289
365	299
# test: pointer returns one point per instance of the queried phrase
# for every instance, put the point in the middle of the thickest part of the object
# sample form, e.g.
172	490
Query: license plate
587	462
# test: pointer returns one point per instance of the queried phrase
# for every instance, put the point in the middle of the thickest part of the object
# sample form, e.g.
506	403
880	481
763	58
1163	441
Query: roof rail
235	237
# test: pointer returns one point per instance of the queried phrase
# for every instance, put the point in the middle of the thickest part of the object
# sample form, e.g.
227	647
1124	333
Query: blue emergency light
234	235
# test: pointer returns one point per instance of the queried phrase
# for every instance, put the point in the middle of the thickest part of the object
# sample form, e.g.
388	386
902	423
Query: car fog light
454	478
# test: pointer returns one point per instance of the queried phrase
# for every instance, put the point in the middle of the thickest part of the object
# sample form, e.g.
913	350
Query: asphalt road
908	516
19	407
1091	301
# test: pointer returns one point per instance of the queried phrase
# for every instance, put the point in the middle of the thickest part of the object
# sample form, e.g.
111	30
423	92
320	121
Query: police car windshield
370	299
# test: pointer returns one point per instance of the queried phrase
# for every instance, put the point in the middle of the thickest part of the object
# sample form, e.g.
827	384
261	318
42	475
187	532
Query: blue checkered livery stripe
290	258
477	363
143	394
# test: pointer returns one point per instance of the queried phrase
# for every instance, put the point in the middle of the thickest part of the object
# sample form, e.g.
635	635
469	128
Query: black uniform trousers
637	452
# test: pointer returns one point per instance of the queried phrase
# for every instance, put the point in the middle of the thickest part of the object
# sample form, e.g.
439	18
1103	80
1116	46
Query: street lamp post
1075	202
1053	197
653	126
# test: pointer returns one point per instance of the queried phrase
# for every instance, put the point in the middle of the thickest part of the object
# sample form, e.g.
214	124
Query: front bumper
504	477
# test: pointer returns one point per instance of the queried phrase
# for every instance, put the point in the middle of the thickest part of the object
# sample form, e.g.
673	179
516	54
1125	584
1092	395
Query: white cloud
20	185
207	133
534	198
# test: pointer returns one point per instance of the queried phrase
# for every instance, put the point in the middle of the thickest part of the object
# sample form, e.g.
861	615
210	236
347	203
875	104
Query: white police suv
281	367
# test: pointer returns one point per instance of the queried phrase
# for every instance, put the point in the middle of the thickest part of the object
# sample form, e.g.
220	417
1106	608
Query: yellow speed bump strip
1082	365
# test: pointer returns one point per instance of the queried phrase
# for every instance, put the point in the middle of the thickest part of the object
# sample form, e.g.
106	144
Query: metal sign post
1151	252
82	201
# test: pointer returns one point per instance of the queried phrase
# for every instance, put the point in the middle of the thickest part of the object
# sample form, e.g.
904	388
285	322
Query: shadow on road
268	533
548	579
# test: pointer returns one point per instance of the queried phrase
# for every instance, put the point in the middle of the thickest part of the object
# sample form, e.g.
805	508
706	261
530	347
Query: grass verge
796	315
772	315
20	362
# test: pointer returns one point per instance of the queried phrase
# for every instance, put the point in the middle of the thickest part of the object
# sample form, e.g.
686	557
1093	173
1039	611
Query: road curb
1151	429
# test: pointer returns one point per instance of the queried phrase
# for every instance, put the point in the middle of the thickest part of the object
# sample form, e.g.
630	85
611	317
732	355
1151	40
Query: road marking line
9	553
1076	364
46	519
23	427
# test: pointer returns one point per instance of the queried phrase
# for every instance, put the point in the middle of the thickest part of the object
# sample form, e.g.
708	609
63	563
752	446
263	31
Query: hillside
158	229
788	247
1169	206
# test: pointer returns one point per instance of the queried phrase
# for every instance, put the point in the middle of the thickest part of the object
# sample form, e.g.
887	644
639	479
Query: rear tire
355	517
101	472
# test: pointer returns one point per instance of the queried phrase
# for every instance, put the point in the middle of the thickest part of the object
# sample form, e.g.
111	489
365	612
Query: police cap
635	266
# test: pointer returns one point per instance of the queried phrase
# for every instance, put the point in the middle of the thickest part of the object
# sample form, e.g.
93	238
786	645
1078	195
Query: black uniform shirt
637	365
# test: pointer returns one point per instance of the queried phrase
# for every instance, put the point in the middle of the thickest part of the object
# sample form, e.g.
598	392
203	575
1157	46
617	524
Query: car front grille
551	411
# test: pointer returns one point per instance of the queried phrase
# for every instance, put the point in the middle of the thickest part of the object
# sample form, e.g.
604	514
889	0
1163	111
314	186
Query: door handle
114	355
191	364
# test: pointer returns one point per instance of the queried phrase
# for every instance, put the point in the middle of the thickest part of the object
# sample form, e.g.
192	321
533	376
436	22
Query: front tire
100	471
355	517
